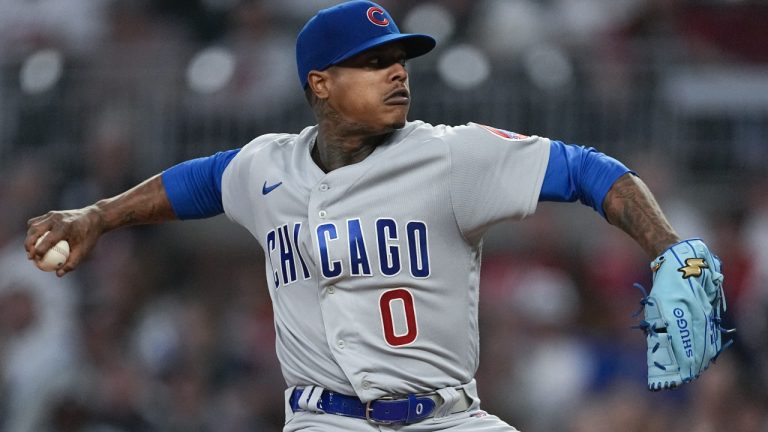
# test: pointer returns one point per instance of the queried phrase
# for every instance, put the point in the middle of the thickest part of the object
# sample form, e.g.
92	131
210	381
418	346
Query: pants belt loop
310	399
450	396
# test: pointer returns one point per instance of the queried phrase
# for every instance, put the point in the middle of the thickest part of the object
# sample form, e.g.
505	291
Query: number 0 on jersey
398	302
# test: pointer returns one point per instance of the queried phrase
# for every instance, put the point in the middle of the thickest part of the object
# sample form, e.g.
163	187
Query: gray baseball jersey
374	268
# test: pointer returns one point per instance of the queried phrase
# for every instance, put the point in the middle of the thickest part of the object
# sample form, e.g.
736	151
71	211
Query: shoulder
422	131
466	131
271	141
272	144
475	136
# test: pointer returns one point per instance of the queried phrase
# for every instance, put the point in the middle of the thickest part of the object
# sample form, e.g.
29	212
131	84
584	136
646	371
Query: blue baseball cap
342	31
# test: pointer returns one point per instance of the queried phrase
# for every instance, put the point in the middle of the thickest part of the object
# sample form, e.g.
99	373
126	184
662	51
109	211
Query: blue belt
409	409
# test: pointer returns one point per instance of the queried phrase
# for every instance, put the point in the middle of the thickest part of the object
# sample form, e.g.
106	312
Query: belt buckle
369	410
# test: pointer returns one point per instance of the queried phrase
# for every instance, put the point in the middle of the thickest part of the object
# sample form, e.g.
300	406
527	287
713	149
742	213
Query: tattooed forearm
129	218
630	205
146	203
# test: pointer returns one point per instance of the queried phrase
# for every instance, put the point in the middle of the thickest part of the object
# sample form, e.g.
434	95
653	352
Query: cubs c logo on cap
376	16
339	32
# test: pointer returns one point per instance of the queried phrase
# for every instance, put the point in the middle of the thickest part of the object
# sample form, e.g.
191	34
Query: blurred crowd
169	328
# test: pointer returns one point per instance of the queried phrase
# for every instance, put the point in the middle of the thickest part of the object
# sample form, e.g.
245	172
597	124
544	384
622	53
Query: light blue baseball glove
682	321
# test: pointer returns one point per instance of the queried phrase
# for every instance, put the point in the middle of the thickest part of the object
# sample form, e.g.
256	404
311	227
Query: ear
319	82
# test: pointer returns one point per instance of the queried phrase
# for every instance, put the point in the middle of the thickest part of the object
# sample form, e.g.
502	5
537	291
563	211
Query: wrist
662	244
98	215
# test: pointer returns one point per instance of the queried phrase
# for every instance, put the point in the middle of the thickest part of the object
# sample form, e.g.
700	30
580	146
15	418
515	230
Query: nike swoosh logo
267	189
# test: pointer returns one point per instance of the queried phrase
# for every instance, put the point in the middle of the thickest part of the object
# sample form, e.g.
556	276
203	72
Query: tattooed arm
630	205
146	203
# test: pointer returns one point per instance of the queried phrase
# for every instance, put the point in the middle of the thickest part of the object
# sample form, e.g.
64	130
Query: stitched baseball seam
59	249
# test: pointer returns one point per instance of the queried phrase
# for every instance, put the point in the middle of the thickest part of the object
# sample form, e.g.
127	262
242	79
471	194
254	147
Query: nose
399	72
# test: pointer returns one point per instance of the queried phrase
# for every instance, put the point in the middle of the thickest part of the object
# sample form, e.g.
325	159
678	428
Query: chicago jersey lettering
373	268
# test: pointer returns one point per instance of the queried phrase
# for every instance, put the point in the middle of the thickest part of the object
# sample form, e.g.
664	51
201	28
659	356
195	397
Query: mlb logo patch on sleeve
503	133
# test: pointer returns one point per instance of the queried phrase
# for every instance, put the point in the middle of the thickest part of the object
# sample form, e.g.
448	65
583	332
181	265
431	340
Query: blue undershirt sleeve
194	187
579	173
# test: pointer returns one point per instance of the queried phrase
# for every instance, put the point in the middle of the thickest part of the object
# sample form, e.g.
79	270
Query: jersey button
324	187
340	344
331	289
322	214
366	385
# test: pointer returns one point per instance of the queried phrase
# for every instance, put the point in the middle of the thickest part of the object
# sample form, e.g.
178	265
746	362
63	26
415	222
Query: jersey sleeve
194	187
495	175
238	187
579	173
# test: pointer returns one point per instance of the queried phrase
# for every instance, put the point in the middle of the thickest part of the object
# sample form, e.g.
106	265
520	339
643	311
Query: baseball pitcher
372	229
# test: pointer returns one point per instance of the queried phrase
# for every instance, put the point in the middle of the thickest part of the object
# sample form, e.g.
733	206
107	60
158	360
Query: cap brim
415	45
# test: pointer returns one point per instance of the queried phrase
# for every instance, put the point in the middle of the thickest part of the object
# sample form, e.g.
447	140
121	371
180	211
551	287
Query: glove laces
645	300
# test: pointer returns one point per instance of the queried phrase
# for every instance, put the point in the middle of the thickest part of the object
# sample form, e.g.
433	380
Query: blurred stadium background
170	328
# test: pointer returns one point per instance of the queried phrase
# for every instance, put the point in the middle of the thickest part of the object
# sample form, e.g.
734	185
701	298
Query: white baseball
56	256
